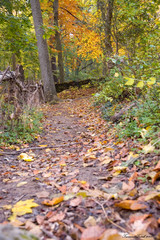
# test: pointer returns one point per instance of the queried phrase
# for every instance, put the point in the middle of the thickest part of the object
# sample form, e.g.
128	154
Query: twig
4	73
109	220
33	148
20	198
49	234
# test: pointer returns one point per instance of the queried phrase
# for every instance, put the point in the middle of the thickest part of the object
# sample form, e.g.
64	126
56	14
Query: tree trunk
58	42
106	8
54	68
13	61
45	64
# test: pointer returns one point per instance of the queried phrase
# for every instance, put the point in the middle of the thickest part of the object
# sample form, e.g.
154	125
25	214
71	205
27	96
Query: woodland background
85	158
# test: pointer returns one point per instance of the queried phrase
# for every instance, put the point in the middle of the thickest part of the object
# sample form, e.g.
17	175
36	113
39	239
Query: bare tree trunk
106	8
45	64
13	61
54	68
58	42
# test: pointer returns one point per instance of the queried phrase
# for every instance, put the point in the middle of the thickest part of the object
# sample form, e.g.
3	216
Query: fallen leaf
57	217
118	170
157	175
112	234
25	157
75	202
43	194
22	207
128	187
54	201
92	233
21	184
157	167
152	195
90	221
148	148
131	204
107	149
40	219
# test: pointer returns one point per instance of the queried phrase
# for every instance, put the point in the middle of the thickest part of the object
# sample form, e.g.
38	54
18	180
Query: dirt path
75	174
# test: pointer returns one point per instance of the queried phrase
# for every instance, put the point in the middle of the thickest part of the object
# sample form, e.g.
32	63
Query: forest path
73	178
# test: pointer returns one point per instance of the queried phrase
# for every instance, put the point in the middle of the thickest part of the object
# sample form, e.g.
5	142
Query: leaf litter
78	181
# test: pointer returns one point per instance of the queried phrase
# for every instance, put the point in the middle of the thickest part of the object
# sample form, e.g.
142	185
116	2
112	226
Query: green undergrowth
142	120
22	128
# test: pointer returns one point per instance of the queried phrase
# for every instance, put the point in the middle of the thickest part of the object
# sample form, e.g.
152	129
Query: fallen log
116	117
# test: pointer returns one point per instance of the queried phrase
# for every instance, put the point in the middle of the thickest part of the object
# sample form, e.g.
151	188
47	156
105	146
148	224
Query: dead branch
3	75
118	115
33	148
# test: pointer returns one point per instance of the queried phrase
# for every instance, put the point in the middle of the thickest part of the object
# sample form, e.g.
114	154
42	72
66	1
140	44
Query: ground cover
77	180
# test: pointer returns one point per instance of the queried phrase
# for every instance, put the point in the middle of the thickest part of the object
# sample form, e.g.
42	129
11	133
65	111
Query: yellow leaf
152	196
82	182
140	84
25	157
107	149
151	81
130	81
116	74
8	207
23	207
148	148
82	194
21	184
118	170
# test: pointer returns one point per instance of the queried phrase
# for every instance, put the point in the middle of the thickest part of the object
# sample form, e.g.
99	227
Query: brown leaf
128	187
40	219
75	202
90	221
157	167
138	216
131	204
58	217
92	233
157	175
43	194
112	234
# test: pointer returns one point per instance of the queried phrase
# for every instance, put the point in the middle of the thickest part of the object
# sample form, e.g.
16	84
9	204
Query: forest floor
77	180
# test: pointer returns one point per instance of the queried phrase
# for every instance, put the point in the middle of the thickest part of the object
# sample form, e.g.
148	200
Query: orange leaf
54	201
157	167
133	177
157	175
131	204
92	233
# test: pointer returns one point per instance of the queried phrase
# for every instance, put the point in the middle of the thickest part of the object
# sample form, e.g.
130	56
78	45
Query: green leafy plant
20	129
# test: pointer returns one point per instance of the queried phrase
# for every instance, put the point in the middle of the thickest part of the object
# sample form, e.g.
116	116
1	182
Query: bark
58	42
13	61
106	8
45	64
54	68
